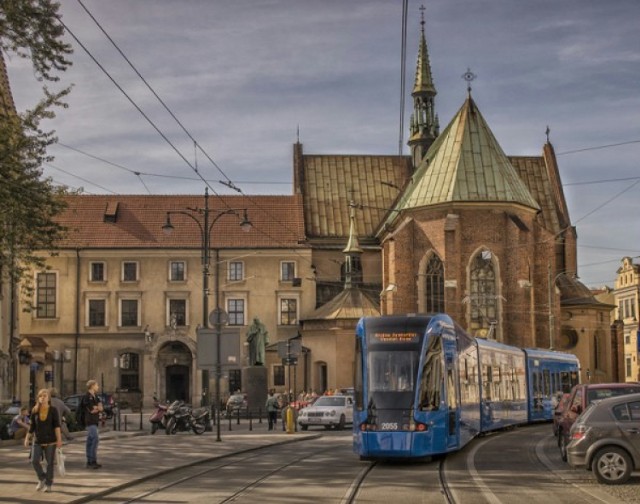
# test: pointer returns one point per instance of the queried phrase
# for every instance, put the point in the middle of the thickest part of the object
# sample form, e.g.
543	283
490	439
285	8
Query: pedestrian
45	426
272	409
20	424
90	409
63	412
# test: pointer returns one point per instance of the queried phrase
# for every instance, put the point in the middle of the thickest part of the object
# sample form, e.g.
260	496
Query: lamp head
167	227
246	224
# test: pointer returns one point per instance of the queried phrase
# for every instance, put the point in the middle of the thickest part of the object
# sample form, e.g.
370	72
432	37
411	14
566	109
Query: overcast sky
242	75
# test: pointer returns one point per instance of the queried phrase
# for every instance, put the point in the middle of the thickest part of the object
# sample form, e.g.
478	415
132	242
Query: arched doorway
322	377
174	364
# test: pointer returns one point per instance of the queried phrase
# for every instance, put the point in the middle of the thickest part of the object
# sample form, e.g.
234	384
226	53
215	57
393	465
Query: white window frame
168	310
171	263
104	271
233	296
242	272
137	263
295	271
287	295
97	297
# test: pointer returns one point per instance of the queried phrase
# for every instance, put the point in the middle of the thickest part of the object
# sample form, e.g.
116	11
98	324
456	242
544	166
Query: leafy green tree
29	203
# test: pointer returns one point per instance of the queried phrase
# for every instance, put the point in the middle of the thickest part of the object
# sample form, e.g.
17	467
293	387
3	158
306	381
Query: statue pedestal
254	383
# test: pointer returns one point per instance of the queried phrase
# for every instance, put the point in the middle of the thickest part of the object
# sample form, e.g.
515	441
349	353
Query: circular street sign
218	316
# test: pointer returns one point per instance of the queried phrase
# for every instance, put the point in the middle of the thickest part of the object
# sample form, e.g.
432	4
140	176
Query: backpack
80	412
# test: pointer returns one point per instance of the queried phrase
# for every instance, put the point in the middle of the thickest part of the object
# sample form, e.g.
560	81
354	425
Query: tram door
452	405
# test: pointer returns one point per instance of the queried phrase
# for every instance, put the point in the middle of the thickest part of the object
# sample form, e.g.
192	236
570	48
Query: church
457	227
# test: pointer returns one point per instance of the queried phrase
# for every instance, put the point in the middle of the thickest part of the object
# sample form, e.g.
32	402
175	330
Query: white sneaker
47	489
40	486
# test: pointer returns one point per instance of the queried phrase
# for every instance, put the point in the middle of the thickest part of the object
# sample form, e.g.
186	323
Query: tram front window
392	371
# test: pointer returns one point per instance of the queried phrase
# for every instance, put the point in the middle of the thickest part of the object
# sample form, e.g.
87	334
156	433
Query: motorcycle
181	418
157	418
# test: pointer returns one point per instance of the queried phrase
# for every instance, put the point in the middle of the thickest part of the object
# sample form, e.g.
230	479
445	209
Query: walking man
91	407
272	409
63	412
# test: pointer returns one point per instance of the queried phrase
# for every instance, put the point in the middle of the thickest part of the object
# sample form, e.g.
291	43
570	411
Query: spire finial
298	133
422	8
469	76
547	131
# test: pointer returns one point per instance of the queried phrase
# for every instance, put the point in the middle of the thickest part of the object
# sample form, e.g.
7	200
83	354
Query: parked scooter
157	418
181	418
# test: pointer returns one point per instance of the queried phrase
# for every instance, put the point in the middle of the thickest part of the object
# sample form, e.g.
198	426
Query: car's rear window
603	393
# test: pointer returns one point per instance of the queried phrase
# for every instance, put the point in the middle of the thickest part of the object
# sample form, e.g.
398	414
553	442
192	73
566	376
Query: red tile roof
123	221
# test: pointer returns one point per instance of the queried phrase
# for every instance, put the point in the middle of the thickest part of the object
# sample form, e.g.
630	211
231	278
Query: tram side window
432	376
357	379
547	383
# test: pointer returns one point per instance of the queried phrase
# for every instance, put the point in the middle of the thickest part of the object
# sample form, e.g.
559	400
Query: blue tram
423	386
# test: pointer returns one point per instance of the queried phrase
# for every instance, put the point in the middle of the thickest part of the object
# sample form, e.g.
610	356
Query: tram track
155	485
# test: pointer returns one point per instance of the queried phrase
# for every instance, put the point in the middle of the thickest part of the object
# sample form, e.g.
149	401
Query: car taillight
578	433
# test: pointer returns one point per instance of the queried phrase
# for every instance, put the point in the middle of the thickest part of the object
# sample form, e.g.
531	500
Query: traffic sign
218	316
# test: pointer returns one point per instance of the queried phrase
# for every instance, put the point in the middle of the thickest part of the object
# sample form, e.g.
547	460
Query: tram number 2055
389	426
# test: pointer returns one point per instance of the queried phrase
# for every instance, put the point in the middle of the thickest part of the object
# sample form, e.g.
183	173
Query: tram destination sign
395	337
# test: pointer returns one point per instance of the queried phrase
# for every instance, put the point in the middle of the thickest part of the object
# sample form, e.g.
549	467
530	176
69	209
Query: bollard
250	422
229	417
259	415
140	416
125	423
290	422
238	423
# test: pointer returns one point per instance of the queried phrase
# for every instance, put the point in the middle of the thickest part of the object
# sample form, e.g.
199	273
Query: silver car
606	439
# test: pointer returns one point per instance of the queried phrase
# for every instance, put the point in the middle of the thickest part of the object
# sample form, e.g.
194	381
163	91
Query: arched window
434	285
129	364
483	302
356	270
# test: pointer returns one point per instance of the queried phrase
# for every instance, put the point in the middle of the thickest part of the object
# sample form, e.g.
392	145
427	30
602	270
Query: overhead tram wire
607	146
403	71
153	125
228	183
81	178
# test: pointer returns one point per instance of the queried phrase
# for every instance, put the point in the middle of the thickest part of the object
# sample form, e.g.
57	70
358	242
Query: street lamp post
205	226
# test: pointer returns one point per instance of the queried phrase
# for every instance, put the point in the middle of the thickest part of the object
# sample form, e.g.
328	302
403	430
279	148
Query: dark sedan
606	439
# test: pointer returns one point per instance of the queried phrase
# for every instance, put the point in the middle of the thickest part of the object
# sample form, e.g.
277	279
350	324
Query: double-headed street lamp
202	217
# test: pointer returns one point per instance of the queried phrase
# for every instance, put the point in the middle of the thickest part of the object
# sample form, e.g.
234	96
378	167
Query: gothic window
434	285
483	296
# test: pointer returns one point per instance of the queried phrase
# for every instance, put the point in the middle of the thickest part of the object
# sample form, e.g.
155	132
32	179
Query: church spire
424	127
353	271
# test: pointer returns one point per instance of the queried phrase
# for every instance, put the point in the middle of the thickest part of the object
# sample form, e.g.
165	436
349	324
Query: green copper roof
466	164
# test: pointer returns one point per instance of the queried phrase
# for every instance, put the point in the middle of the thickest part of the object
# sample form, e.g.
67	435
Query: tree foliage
29	203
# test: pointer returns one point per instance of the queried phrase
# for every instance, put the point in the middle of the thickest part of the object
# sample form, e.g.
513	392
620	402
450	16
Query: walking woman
45	424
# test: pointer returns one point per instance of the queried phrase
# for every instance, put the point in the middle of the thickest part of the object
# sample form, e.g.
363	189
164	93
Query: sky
246	78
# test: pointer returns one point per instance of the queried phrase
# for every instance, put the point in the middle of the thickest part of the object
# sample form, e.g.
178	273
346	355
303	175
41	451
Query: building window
356	270
177	271
46	295
620	310
97	313
627	366
482	299
434	288
288	311
129	271
130	371
236	271
287	271
235	309
97	272
177	313
278	376
129	313
627	339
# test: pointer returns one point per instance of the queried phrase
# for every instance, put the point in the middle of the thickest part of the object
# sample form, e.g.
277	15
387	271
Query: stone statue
258	339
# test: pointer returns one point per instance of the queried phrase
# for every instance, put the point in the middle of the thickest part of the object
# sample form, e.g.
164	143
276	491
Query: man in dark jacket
92	407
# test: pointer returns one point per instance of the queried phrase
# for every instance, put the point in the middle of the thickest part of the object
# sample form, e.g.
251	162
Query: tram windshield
392	371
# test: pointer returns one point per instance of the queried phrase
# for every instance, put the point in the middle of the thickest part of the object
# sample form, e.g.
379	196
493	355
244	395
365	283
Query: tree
29	203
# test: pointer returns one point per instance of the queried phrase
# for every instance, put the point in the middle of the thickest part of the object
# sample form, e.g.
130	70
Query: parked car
237	403
328	411
73	401
606	439
582	395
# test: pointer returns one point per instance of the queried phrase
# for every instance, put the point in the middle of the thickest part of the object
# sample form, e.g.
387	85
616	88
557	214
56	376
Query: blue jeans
49	454
92	444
